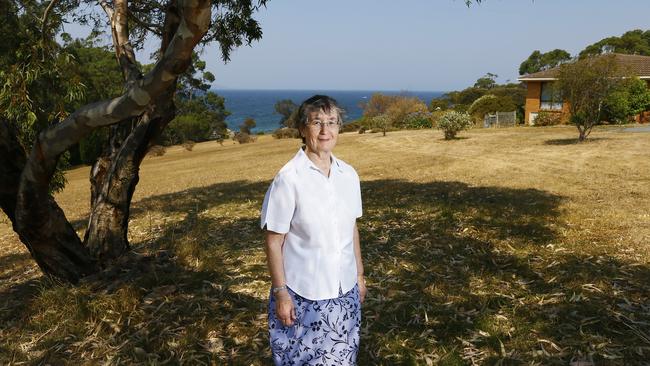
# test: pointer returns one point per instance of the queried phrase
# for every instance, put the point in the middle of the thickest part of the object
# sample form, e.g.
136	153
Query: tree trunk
45	231
113	183
115	175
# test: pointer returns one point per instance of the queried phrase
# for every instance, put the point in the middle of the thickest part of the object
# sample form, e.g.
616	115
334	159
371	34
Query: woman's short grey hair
315	104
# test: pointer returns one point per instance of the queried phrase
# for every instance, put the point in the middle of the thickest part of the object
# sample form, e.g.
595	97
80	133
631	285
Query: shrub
189	145
402	107
244	138
489	103
453	122
419	120
616	108
157	150
435	117
394	107
286	133
631	99
187	127
545	118
439	104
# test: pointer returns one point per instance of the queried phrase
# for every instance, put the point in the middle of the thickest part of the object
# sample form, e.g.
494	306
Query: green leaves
538	61
634	42
585	84
453	122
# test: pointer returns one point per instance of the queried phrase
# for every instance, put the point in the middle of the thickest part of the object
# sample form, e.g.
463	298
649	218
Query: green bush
639	94
187	127
418	120
439	104
435	117
633	98
489	104
545	118
453	122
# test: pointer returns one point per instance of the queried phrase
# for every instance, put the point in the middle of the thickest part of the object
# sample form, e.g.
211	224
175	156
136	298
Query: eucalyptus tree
136	117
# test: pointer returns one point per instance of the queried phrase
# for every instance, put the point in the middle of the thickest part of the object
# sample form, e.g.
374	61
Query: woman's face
319	138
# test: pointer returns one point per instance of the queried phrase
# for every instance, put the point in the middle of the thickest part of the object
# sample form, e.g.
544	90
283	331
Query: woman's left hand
362	288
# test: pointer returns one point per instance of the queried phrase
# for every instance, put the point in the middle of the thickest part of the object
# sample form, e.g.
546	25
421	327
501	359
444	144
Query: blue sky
413	45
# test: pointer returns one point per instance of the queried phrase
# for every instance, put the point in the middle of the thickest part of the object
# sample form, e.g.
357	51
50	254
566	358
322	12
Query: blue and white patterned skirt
325	332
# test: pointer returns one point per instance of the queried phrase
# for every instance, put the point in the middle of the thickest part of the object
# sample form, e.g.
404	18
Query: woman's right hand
284	308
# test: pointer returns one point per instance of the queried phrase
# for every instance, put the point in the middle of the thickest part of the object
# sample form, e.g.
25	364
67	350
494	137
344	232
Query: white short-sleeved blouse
318	214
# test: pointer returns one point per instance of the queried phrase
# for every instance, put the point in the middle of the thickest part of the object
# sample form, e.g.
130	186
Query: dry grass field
512	246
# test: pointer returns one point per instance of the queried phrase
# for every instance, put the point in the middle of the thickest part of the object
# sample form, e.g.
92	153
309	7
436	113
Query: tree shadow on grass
12	264
179	297
142	310
455	138
464	275
573	141
457	274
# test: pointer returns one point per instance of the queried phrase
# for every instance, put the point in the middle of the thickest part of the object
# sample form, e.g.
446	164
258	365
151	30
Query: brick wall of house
533	94
533	102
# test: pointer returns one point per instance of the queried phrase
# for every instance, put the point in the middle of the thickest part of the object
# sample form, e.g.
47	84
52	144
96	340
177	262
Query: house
540	95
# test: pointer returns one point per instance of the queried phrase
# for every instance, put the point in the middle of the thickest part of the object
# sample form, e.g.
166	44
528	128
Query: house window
550	98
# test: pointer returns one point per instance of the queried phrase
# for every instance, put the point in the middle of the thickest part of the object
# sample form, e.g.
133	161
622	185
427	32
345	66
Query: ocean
259	104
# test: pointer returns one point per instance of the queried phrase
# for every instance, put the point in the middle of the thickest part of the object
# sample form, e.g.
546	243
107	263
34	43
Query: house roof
637	64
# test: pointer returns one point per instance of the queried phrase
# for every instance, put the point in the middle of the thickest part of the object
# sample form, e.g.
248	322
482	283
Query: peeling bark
116	173
106	237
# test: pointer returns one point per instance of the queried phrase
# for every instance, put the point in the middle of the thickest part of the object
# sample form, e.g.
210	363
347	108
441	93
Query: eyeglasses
317	125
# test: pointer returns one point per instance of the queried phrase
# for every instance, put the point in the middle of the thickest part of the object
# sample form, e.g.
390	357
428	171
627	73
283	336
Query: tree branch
46	15
148	26
123	48
107	9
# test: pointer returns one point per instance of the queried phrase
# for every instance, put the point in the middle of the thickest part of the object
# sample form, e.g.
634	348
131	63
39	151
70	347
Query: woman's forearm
274	259
357	252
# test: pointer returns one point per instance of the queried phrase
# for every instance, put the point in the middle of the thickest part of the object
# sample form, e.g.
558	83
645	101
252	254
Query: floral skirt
325	332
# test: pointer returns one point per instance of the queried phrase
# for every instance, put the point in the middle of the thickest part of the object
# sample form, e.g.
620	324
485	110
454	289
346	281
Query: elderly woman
312	247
